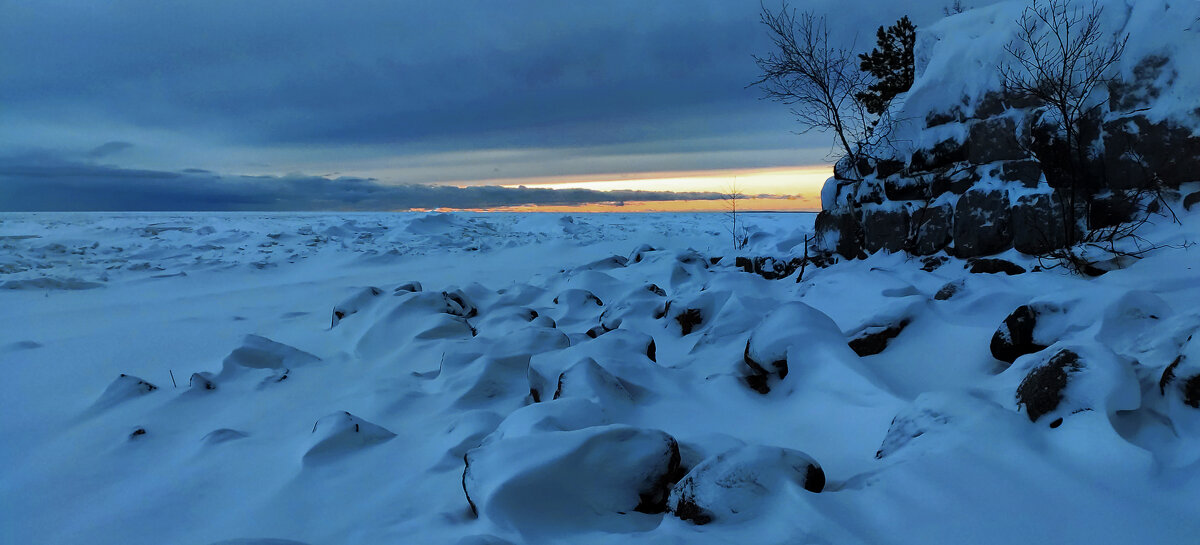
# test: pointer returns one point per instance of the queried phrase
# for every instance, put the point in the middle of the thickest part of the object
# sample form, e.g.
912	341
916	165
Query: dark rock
689	319
1037	222
993	140
407	287
1027	172
839	232
932	228
887	167
1014	337
885	230
1191	392
873	339
1139	153
202	381
940	156
981	224
995	266
1168	375
770	268
758	379
457	304
1191	200
948	290
640	252
137	432
1041	390
953	115
868	192
863	166
1111	210
956	181
905	188
1142	90
932	263
653	288
652	351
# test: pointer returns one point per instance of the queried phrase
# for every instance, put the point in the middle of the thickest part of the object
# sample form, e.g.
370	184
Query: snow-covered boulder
572	480
1073	380
734	485
352	304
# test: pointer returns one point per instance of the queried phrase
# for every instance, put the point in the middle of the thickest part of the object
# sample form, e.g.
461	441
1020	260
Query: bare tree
733	221
1059	58
820	81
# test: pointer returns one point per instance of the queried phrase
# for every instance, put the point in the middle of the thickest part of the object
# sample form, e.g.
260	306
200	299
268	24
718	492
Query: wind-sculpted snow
539	379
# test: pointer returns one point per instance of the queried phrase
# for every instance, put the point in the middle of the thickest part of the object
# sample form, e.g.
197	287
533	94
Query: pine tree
891	63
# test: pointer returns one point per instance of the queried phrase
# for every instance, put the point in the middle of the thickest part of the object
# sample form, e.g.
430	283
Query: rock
1191	200
953	115
639	253
981	224
868	191
993	140
905	188
1111	210
885	229
124	388
941	155
689	319
933	263
354	303
840	233
956	181
1014	338
457	304
932	228
948	290
584	479
1041	390
1037	224
887	167
1142	89
407	287
1027	172
735	484
202	382
995	266
769	267
873	339
1138	152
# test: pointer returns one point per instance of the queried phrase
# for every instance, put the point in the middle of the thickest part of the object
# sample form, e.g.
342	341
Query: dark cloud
46	183
108	148
377	81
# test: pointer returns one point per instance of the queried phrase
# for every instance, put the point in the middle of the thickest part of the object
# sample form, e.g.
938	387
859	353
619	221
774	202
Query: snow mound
733	485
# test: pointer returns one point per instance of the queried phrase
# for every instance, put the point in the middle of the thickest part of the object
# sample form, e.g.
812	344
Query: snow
206	390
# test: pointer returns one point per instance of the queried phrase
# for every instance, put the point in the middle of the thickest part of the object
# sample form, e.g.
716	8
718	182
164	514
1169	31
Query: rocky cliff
972	170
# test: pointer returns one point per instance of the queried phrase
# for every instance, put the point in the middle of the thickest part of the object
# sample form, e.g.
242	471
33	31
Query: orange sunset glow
764	189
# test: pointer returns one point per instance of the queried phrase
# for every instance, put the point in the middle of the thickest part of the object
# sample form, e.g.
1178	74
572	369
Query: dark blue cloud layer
44	182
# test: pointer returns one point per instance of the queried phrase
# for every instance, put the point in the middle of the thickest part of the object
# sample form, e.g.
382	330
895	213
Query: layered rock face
973	171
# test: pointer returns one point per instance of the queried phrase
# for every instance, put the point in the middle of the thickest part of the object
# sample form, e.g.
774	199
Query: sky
371	105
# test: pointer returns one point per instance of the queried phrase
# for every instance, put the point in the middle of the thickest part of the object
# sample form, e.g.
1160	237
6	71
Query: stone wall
994	183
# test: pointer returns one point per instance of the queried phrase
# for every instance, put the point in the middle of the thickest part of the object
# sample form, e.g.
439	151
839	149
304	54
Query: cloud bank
44	182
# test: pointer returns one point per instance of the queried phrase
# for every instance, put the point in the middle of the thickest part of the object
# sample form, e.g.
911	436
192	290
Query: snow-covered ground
494	378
